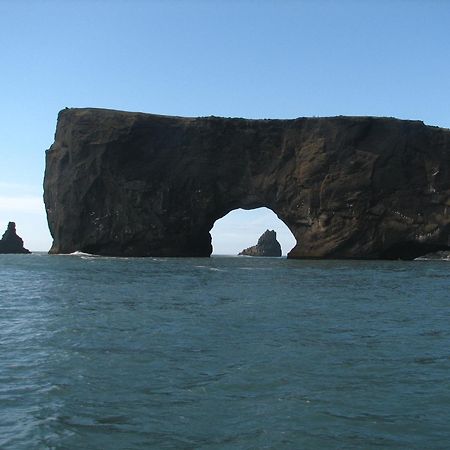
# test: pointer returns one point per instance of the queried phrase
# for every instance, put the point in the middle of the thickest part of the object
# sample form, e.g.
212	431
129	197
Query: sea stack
10	242
267	246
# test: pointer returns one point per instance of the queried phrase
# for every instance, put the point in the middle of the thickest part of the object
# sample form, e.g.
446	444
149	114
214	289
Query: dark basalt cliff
267	245
119	183
10	242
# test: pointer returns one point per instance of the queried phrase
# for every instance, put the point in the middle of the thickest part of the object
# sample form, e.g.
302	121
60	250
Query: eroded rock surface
134	184
267	245
11	242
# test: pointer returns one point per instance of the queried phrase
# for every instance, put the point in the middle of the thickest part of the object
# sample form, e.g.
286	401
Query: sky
253	59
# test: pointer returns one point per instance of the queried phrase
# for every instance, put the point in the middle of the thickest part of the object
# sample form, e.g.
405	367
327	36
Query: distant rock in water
10	242
267	246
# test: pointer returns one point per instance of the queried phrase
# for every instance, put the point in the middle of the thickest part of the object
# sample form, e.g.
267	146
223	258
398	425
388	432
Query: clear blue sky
255	59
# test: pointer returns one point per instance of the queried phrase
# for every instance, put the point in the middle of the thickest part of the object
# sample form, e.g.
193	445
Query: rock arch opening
241	228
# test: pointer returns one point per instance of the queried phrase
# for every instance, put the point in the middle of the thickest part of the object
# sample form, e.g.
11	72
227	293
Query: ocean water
223	353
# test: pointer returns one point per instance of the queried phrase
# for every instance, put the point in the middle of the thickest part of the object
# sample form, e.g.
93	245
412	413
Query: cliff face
267	245
10	242
133	184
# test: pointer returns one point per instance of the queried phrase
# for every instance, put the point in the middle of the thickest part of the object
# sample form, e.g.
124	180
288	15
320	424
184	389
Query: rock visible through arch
134	184
267	245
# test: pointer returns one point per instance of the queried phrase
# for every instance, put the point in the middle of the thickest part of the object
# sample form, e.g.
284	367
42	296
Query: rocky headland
267	245
11	242
135	184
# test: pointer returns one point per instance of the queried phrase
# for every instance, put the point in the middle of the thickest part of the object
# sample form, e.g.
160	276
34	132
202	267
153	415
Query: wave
443	255
77	253
424	258
214	269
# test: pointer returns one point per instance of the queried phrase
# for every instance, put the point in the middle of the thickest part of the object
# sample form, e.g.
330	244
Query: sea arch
134	184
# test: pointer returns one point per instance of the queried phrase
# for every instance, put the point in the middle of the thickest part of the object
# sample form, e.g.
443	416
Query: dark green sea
223	353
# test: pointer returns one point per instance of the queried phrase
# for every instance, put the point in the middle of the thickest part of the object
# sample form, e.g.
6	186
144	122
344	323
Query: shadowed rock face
10	242
133	184
267	246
